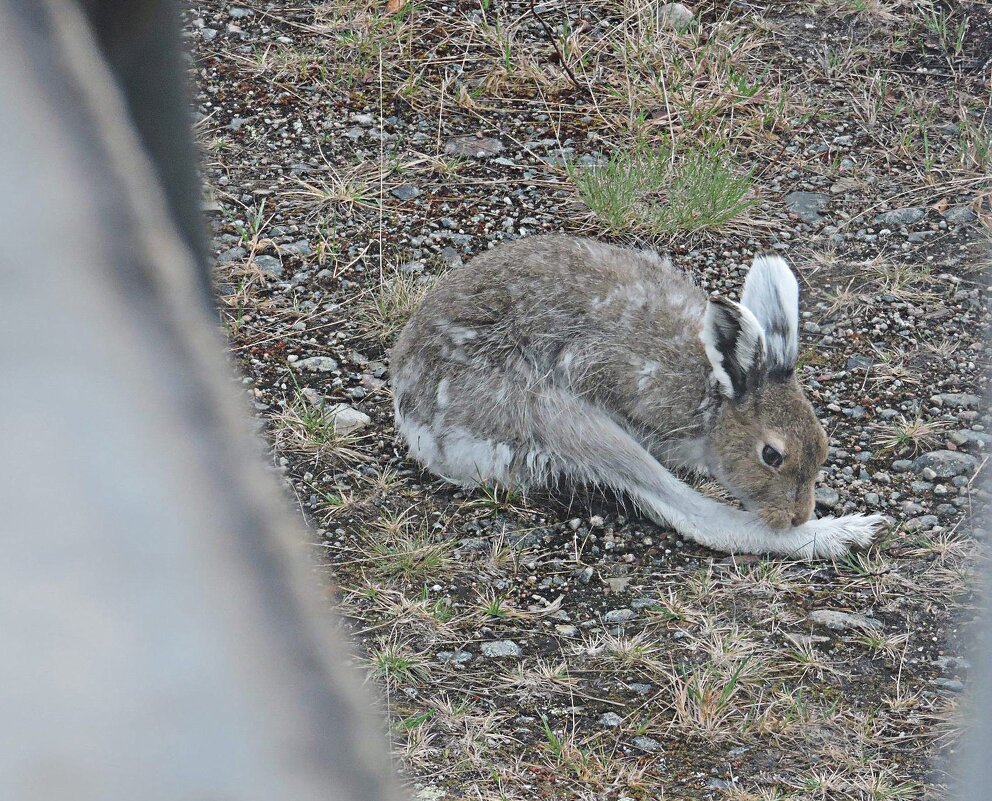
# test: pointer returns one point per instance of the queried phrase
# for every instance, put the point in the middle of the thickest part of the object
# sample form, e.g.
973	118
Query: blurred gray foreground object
157	636
975	764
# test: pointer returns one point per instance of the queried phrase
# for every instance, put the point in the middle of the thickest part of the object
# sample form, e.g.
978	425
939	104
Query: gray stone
858	362
902	465
978	439
924	523
807	206
458	657
611	719
313	397
473	544
345	419
946	663
208	34
499	649
617	584
639	688
960	214
269	265
521	541
840	621
827	497
478	147
619	615
946	464
237	12
644	603
673	17
318	364
405	192
647	744
450	257
300	248
906	216
872	500
953	685
959	400
234	254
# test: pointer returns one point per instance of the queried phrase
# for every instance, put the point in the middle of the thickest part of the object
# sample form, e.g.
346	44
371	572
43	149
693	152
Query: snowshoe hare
551	358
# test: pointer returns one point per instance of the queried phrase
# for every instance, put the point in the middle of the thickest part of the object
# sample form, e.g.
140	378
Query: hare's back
553	281
573	316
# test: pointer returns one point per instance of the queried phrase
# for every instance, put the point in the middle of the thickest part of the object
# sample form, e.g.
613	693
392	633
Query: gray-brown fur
554	357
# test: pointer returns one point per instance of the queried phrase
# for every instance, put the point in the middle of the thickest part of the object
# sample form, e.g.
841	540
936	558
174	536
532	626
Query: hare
555	358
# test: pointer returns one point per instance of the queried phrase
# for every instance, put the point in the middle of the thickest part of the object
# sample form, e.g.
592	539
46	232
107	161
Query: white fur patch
772	293
421	441
632	295
708	338
689	453
442	392
469	458
647	370
750	344
460	335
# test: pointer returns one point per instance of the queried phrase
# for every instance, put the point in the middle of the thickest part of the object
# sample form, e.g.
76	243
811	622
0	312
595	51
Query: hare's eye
771	457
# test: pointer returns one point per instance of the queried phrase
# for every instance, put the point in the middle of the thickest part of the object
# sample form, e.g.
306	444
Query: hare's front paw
835	536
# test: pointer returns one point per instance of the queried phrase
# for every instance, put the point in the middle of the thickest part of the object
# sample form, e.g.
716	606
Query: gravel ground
560	646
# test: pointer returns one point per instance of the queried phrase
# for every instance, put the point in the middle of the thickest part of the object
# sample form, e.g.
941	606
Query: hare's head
766	445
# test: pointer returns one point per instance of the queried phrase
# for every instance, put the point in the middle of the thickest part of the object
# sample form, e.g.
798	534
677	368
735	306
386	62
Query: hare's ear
735	346
771	292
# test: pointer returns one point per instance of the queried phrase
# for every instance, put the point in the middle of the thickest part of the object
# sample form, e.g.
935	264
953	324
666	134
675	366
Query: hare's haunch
552	358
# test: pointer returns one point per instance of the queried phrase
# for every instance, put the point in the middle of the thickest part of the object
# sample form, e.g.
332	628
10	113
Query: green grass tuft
658	191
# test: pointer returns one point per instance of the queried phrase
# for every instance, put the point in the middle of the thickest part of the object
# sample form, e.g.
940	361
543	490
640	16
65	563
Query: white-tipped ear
771	292
735	347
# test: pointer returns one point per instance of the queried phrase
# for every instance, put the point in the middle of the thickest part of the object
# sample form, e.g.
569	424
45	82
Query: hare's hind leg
469	428
584	443
457	453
